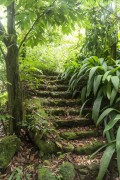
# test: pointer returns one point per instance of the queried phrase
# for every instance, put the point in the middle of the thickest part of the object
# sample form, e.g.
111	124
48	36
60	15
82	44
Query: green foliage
102	81
18	174
101	30
108	153
38	120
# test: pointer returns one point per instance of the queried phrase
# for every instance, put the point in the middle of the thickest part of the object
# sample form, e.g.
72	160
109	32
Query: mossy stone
88	149
47	147
78	135
67	171
46	163
68	135
8	146
45	174
68	148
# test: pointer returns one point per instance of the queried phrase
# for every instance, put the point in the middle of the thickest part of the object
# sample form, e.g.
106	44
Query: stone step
86	168
57	94
79	133
50	77
52	87
85	146
63	111
60	102
72	121
57	81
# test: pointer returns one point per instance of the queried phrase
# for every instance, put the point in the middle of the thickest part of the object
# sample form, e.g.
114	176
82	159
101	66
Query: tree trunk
113	51
12	69
14	90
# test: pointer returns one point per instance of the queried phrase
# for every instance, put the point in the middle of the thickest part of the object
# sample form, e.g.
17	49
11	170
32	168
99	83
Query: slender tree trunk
113	51
14	90
13	79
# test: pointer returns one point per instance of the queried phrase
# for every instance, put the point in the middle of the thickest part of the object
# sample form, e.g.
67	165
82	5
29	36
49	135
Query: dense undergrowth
98	80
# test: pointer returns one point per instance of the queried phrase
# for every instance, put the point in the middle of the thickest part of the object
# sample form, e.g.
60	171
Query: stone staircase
78	135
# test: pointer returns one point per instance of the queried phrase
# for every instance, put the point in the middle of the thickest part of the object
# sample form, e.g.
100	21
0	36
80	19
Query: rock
46	163
68	148
88	149
70	135
67	171
8	146
45	174
87	172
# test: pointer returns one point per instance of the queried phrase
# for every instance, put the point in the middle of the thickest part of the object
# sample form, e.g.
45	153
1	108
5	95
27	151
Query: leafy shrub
102	81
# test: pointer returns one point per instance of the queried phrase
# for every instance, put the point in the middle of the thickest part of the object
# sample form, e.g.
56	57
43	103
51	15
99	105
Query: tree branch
35	22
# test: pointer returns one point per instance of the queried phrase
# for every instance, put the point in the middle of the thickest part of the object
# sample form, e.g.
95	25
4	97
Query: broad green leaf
104	114
108	135
83	94
112	122
113	96
81	109
97	81
101	60
90	80
96	108
109	77
108	153
117	100
108	90
104	65
105	76
115	80
118	149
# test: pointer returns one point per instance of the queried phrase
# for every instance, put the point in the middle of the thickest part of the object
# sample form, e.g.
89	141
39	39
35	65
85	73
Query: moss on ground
70	135
67	171
8	146
88	149
45	174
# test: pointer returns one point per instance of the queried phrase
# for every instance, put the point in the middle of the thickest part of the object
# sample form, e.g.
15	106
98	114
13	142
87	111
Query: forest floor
26	161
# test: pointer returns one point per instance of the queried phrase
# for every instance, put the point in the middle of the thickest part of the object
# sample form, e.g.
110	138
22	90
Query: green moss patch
73	123
45	174
88	149
67	171
8	146
78	135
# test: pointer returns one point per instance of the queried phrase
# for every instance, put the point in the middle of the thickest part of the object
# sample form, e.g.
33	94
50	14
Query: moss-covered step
45	77
45	174
67	171
61	111
83	147
72	121
57	94
71	135
88	149
8	147
60	102
52	87
88	171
